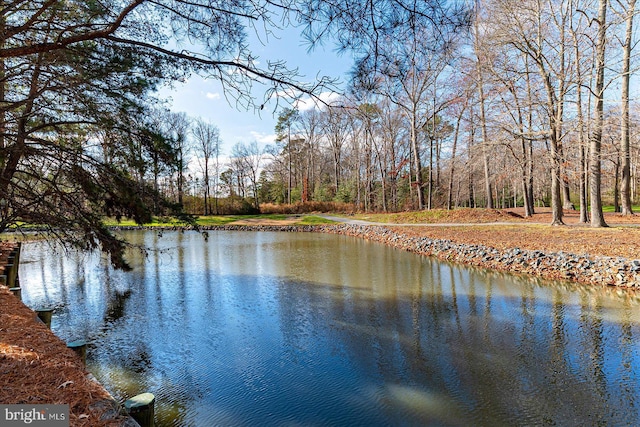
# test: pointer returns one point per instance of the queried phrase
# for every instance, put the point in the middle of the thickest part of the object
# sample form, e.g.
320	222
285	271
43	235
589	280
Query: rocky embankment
583	268
554	265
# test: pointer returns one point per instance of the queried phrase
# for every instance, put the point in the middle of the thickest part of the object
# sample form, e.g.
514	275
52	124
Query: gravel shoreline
597	270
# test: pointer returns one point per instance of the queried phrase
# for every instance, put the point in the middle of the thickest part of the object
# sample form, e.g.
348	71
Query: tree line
508	103
498	105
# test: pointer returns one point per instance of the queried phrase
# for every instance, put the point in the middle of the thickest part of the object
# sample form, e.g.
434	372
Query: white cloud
307	103
263	138
210	95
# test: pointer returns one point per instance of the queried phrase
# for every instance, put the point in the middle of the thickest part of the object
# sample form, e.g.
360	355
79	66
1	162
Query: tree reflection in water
269	328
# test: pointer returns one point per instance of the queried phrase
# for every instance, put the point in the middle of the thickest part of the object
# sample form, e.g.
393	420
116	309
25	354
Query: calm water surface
311	329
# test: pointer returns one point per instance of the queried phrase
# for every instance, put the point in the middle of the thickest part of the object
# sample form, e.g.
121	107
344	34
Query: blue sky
203	98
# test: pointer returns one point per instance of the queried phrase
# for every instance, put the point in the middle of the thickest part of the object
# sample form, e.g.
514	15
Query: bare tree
627	46
480	59
309	124
207	141
335	129
595	161
581	125
286	120
247	159
524	26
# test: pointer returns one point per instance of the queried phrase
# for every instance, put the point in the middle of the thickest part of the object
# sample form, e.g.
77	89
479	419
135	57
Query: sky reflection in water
313	329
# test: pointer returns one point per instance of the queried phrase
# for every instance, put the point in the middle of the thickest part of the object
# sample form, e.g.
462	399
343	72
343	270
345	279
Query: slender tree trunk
472	200
289	155
3	112
417	164
485	143
430	188
216	182
556	199
336	169
616	186
11	160
566	194
206	187
584	218
483	121
529	151
625	187
530	192
156	188
180	178
581	135
453	158
595	177
369	201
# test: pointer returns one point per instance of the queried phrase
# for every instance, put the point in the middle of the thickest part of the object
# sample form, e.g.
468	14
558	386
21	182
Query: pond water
262	328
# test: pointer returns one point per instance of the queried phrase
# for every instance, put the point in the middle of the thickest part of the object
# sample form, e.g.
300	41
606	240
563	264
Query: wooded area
492	103
500	105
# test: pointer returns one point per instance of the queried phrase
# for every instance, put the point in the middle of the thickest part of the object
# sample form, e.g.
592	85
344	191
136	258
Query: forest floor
502	229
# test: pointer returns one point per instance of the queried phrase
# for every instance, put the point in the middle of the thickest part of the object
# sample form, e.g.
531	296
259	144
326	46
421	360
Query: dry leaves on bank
37	368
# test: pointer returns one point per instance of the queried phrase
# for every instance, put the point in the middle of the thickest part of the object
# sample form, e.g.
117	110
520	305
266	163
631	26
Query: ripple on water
279	329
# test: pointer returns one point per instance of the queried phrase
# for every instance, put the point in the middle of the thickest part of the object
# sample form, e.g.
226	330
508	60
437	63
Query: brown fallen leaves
37	368
621	239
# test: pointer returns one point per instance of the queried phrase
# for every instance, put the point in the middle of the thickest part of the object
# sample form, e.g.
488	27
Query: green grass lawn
314	220
226	219
157	222
214	220
609	209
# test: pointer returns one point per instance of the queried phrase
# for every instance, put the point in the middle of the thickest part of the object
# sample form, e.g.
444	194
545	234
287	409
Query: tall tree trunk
483	121
616	186
180	178
556	200
336	169
584	218
3	112
369	201
206	187
625	187
566	194
156	187
472	200
289	185
595	177
485	142
417	164
529	156
581	133
430	187
453	158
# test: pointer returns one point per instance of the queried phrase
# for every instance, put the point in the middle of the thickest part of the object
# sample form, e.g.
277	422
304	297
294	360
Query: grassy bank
214	220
